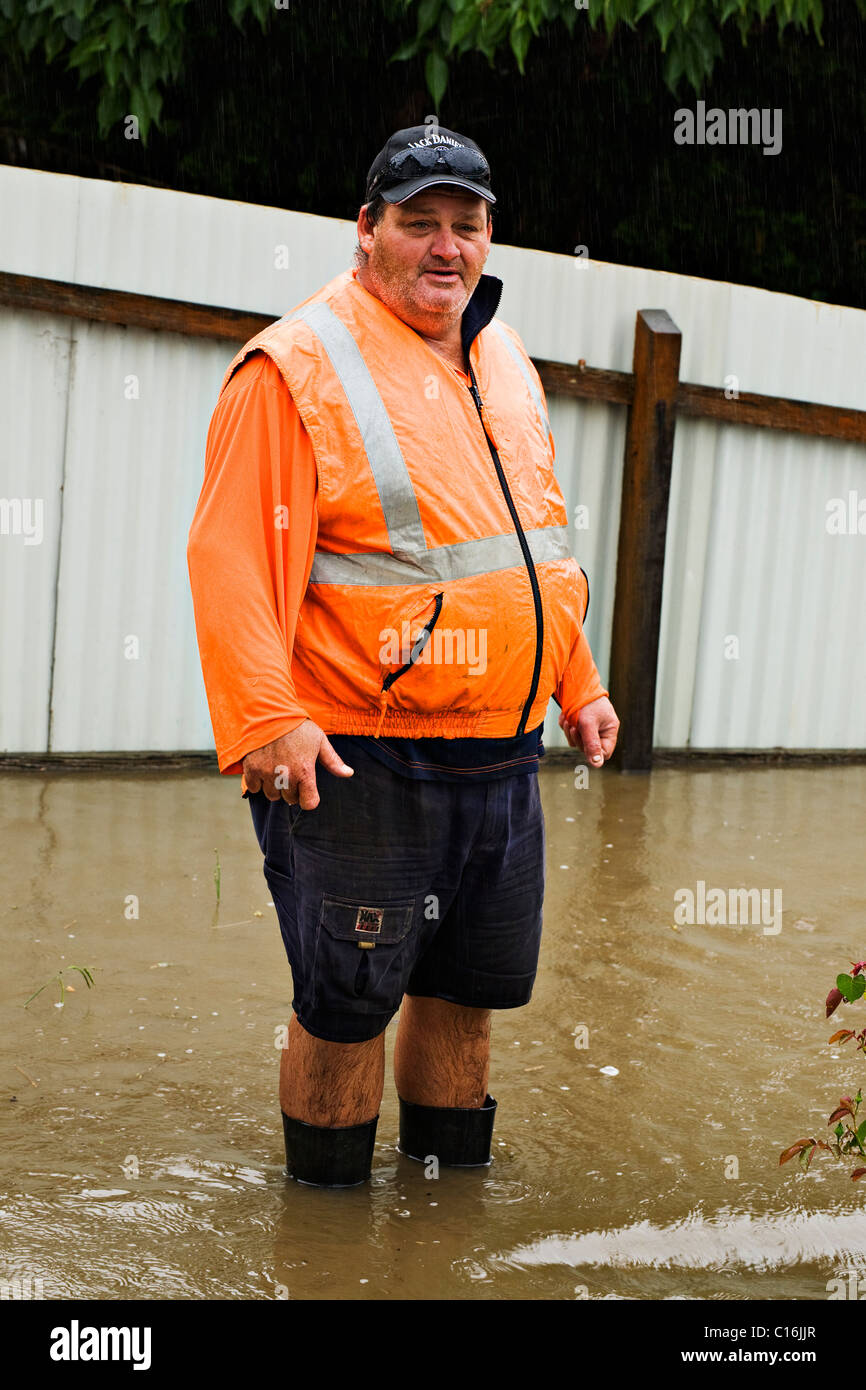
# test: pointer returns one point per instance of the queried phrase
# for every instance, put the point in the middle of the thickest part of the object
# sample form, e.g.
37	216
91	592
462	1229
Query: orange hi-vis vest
443	599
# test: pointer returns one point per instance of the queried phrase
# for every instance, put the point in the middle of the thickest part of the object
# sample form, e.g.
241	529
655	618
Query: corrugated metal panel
589	451
748	552
126	668
790	595
34	351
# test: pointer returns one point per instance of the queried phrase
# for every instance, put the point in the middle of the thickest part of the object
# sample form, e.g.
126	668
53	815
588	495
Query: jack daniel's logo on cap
434	138
425	156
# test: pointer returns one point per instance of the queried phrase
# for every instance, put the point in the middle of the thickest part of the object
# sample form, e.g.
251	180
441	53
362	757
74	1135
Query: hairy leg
442	1055
331	1084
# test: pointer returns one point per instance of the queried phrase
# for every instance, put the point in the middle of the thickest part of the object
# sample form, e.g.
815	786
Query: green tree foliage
688	31
134	49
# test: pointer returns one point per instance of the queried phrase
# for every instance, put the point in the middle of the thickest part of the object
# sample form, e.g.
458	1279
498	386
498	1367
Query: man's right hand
286	768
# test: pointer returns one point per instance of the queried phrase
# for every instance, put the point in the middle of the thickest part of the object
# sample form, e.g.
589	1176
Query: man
385	602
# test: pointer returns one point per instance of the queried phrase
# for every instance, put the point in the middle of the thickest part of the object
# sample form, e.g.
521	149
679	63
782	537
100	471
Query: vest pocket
362	956
404	642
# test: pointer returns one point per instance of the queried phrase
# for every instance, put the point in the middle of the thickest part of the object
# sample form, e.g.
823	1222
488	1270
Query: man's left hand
595	730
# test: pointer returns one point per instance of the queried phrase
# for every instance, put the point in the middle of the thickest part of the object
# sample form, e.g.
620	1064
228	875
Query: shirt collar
480	310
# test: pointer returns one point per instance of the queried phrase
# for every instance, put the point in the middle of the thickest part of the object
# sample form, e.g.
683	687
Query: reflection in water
743	1240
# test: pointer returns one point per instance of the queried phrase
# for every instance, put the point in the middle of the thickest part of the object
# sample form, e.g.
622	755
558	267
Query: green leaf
436	76
462	25
665	21
111	68
55	40
845	986
30	32
405	51
87	48
520	38
428	13
675	64
111	108
158	26
116	34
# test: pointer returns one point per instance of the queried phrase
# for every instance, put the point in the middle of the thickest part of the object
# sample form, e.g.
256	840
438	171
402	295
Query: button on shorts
393	886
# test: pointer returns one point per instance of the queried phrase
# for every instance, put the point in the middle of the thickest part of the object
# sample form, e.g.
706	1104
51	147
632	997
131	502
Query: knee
444	1019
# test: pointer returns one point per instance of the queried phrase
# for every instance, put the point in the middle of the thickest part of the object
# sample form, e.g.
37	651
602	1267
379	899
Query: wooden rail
579	381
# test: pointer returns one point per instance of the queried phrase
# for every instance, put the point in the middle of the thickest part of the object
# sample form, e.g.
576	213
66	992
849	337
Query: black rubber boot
323	1157
458	1138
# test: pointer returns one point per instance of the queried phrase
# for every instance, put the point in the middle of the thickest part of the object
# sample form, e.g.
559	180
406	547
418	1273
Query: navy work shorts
393	886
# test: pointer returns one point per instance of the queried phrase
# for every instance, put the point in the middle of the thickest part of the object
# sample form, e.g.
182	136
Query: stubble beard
402	290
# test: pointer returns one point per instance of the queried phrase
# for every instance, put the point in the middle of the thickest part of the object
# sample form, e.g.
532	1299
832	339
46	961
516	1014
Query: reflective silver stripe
525	373
459	561
391	476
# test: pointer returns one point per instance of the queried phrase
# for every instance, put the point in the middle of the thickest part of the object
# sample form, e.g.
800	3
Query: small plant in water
216	875
57	979
849	1135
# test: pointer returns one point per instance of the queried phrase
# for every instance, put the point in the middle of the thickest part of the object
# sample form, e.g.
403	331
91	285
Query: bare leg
442	1055
331	1084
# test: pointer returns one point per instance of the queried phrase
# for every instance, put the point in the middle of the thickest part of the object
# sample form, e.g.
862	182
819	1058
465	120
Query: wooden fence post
646	482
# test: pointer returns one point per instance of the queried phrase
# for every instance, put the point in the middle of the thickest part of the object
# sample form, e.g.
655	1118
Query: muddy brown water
146	1160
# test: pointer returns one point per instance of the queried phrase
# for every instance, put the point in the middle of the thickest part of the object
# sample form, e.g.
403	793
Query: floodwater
141	1137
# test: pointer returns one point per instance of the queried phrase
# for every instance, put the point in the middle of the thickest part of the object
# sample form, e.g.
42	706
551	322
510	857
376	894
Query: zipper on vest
417	648
527	555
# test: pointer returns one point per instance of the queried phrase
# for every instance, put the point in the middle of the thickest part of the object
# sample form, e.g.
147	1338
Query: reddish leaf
858	1173
839	1114
795	1149
858	966
842	1036
834	999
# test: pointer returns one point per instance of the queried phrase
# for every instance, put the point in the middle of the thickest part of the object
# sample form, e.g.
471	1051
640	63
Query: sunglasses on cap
419	163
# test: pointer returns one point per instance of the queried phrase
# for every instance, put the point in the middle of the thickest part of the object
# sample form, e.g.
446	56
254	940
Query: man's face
426	256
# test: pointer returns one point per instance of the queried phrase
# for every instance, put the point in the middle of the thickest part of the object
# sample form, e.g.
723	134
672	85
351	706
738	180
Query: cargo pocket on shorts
362	955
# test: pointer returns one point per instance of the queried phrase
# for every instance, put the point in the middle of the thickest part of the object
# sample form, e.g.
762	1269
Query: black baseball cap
424	155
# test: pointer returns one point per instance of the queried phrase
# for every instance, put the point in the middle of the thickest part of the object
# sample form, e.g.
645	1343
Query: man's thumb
331	760
592	747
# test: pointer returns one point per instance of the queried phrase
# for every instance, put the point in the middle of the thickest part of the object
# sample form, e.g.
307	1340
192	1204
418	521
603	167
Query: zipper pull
474	393
383	700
